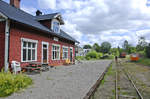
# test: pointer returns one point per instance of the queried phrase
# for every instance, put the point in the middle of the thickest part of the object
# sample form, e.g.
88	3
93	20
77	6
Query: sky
96	21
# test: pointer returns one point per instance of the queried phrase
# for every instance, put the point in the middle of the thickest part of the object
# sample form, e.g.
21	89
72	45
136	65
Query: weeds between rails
124	85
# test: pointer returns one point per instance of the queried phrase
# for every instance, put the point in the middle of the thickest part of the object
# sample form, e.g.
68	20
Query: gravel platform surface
64	82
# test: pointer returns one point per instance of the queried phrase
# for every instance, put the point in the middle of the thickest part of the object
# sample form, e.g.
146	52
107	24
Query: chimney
38	13
15	3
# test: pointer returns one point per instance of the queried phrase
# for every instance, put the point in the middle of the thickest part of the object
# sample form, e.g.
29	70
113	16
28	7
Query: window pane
24	44
33	45
33	54
29	44
45	46
24	54
29	54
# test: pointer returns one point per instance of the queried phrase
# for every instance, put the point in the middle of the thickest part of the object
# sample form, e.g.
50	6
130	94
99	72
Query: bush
142	53
91	55
100	55
147	51
80	57
10	83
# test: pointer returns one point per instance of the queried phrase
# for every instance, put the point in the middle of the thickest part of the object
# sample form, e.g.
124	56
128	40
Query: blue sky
91	21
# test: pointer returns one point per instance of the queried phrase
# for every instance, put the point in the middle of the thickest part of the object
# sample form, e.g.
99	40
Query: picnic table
36	67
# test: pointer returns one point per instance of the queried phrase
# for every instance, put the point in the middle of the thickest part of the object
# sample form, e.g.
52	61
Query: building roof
30	20
47	16
50	16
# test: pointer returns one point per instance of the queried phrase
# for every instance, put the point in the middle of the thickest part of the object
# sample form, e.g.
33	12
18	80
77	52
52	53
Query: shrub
91	55
147	51
142	53
100	55
80	57
10	83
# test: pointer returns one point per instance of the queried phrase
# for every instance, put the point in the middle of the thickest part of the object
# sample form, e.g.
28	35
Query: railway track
125	87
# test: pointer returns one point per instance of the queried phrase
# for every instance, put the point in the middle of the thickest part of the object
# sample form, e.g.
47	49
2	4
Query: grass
144	61
109	72
10	83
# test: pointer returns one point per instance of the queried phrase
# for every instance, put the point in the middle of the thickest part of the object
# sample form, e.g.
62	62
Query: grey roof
65	35
27	19
47	16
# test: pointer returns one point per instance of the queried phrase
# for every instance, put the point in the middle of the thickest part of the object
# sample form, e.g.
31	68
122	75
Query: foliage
96	47
100	55
128	48
125	45
147	51
87	46
144	61
142	53
92	54
141	44
105	47
11	83
80	57
132	50
114	51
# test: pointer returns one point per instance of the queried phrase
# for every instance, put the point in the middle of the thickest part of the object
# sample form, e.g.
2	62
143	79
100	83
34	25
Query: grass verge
144	61
10	83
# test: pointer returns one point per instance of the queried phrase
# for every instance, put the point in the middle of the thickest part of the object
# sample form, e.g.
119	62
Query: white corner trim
6	61
2	20
4	16
57	15
29	40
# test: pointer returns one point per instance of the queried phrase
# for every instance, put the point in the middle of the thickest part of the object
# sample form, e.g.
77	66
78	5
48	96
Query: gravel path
64	82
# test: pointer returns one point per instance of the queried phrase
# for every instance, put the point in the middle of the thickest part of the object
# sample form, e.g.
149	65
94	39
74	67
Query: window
29	50
55	26
65	52
55	52
56	39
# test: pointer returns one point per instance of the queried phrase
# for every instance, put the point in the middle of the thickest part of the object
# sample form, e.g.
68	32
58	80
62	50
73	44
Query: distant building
81	52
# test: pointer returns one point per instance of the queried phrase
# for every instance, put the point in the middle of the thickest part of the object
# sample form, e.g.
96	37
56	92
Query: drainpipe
6	61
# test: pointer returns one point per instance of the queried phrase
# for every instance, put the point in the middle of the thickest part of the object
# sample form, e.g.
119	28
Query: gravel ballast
64	82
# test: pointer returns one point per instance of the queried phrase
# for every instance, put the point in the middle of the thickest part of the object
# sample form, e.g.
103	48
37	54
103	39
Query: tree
87	46
96	47
141	44
126	46
114	51
147	51
105	47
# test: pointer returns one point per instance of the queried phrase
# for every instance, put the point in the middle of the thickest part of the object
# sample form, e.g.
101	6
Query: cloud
91	21
47	4
29	9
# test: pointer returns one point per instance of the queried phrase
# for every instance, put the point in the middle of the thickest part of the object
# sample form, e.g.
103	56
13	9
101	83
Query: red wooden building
26	38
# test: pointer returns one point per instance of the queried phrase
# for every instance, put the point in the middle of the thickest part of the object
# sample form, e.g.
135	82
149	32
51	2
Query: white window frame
45	43
59	51
31	41
65	51
55	20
